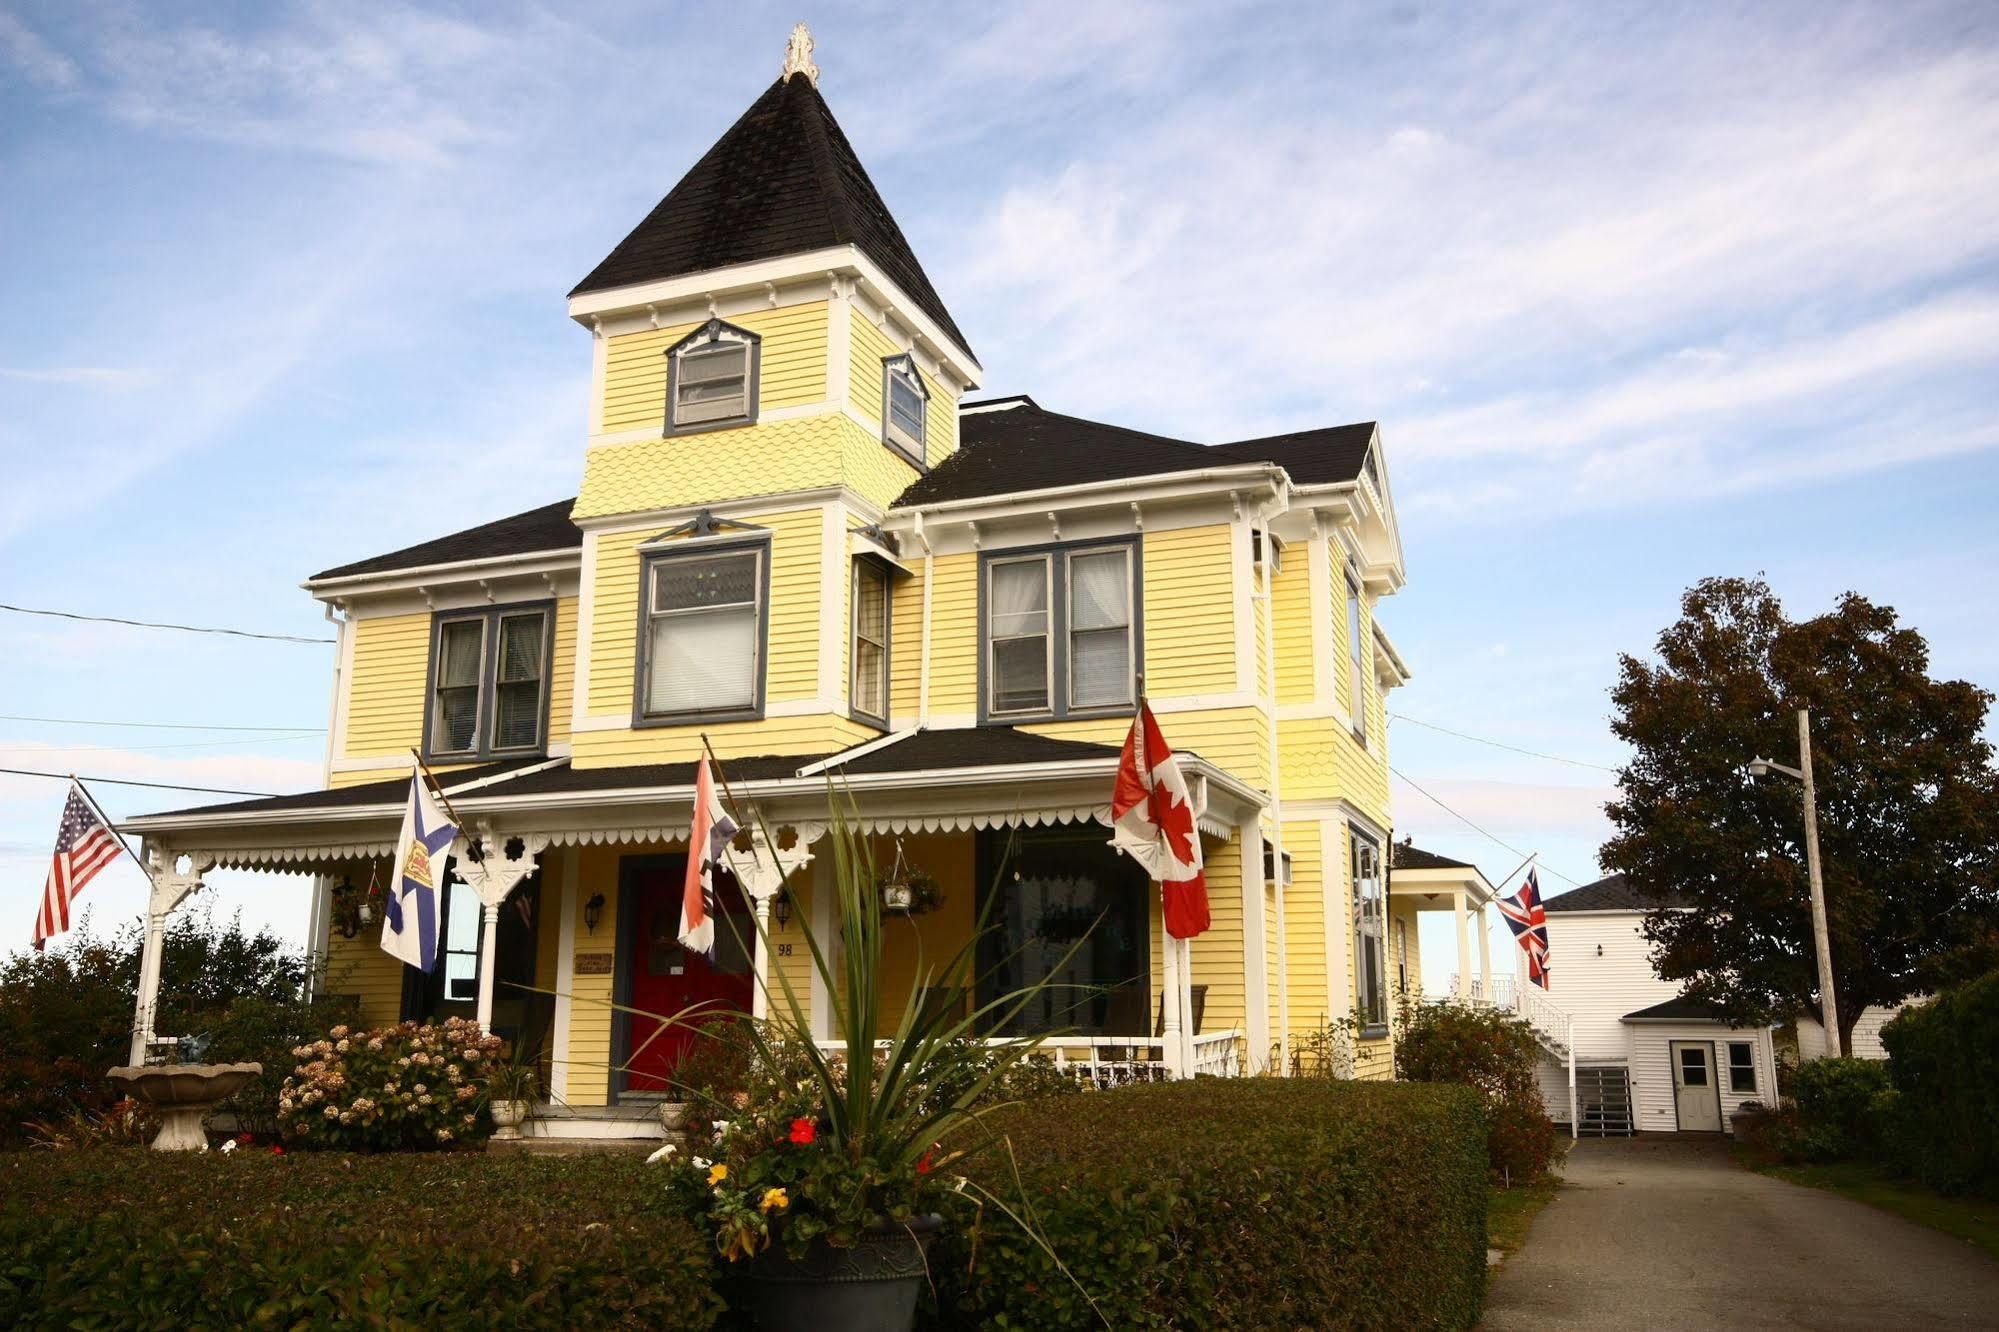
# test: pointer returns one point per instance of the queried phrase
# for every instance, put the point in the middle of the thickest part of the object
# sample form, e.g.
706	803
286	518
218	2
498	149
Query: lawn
1510	1212
1970	1220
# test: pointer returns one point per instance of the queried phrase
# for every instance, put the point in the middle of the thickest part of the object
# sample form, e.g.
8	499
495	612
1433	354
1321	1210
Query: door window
1693	1066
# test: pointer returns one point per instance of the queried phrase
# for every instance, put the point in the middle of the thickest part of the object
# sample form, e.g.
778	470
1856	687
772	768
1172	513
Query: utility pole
1828	1009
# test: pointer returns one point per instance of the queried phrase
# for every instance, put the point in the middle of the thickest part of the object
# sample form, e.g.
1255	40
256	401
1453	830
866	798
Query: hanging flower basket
910	892
355	907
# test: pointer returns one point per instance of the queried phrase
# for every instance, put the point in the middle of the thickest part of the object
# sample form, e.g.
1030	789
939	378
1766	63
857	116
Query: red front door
667	979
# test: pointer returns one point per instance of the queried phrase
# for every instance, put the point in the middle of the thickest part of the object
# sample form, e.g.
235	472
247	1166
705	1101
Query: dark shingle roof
1406	857
973	747
1024	446
390	792
1681	1009
546	528
783	180
1615	893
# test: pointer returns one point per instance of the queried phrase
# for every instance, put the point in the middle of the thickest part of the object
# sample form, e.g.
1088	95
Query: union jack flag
1528	920
83	847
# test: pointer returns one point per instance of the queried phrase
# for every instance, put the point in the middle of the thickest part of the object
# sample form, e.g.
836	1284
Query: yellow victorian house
796	534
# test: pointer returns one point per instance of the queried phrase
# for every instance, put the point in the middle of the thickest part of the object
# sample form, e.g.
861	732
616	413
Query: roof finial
798	56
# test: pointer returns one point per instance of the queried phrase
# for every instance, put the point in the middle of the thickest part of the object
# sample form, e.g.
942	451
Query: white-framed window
1370	927
905	409
1020	642
702	638
1061	632
1741	1067
871	639
712	378
488	682
1357	665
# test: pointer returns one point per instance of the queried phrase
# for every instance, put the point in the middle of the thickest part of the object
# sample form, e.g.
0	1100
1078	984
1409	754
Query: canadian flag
1152	821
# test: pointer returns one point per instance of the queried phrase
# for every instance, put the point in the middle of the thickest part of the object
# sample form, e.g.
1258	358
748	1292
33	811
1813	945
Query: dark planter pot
872	1287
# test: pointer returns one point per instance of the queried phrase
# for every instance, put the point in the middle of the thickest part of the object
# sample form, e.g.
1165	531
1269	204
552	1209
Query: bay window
702	634
488	682
1370	925
1060	632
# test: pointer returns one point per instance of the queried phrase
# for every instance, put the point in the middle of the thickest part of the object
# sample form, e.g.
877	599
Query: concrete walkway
1667	1232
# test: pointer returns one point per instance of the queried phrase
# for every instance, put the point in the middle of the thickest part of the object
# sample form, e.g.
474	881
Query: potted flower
511	1091
354	908
828	1179
912	892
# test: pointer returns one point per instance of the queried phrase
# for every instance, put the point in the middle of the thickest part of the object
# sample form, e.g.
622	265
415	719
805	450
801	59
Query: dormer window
905	409
711	378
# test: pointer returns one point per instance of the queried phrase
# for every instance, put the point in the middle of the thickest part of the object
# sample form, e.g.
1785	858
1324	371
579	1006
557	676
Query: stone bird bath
184	1094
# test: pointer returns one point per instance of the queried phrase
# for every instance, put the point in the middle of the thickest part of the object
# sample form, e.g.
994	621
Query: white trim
600	360
835	585
399	761
1241	594
343	703
1118	492
1319	582
419	576
846	756
586	618
777	501
565	973
1397	670
839	343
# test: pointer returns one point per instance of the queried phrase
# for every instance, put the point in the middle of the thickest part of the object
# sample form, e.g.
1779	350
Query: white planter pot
672	1115
507	1118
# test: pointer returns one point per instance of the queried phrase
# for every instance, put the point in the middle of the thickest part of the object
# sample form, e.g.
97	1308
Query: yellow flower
775	1199
717	1173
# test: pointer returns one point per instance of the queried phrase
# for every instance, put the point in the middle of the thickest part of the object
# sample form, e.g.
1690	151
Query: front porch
562	906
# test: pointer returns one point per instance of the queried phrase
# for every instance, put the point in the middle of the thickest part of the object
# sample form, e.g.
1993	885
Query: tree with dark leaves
1908	805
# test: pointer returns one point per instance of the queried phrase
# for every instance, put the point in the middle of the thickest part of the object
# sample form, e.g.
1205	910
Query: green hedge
1944	1060
1837	1111
1229	1204
120	1238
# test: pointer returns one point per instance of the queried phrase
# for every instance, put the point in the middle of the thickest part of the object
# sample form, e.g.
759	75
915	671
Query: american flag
1528	920
84	845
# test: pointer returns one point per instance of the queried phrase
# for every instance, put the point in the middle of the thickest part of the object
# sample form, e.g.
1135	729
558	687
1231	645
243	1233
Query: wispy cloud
82	376
34	57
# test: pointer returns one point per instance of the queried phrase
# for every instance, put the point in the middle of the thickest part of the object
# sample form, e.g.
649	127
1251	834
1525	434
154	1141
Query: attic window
712	378
905	404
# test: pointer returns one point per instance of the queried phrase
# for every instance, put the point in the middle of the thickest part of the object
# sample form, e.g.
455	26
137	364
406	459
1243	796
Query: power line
135	749
127	781
1501	744
156	624
161	726
1480	831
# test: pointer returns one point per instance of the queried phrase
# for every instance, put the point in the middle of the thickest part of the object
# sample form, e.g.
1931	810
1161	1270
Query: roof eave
1118	490
424	575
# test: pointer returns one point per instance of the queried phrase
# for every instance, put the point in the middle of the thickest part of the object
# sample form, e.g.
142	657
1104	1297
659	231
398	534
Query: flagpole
437	788
1532	857
109	826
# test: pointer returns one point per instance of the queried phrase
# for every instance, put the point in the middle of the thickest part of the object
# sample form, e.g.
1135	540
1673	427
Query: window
1357	661
1741	1066
905	404
870	657
1061	632
489	682
703	634
712	378
1693	1066
1402	957
1370	934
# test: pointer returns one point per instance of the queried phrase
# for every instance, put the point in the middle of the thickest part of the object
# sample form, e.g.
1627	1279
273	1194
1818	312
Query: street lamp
1763	767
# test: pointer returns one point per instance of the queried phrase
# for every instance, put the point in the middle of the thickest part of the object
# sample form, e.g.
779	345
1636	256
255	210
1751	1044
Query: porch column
1463	987
566	909
762	873
1169	1001
1485	955
171	886
1187	1007
824	886
494	875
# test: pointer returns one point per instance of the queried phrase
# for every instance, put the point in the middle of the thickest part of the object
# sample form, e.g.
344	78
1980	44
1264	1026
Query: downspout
1274	840
319	922
923	666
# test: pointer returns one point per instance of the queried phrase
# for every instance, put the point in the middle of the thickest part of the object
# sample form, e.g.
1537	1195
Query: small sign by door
595	964
1696	1097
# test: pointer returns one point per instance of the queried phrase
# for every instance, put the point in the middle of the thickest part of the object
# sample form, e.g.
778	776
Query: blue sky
1639	294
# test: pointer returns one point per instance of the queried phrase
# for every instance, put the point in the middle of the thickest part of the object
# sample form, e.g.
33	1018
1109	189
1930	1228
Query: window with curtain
1018	634
489	682
1061	632
712	378
904	403
703	649
1370	933
870	654
1357	661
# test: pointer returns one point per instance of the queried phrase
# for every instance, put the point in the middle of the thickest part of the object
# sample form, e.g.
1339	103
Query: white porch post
823	888
1485	954
762	874
1187	1007
494	876
1463	987
567	906
171	886
1169	1000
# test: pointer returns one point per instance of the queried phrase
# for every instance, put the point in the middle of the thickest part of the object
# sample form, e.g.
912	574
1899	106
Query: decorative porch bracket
504	860
762	871
174	875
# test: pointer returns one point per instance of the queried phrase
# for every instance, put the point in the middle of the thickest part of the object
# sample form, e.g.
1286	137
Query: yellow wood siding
867	348
1187	593
359	967
791	366
1291	612
387	685
954	635
905	649
1305	928
562	674
1217	954
590	1014
769	458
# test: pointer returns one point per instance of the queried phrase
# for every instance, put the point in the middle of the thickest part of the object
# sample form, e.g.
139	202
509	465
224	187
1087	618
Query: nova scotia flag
409	926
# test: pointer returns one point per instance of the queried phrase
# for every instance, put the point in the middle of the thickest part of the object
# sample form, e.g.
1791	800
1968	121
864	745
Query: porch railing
1117	1061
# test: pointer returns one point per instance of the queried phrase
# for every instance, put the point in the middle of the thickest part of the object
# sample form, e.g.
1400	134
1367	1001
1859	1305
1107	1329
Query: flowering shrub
1494	1053
411	1087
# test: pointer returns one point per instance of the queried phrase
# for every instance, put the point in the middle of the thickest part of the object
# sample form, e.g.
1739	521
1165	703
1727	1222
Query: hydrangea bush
411	1087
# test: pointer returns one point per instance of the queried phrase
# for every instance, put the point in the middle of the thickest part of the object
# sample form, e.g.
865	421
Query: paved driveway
1667	1232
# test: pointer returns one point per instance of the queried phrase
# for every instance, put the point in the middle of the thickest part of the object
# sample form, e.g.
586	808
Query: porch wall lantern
593	911
780	907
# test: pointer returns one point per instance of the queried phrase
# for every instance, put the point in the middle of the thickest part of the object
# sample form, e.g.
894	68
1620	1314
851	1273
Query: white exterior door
1694	1093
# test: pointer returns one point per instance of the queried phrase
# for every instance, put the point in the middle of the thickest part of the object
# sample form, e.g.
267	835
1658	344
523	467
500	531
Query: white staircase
1553	1027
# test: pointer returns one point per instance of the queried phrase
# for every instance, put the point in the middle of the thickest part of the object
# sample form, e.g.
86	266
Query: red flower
245	1139
277	1150
923	1162
803	1131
